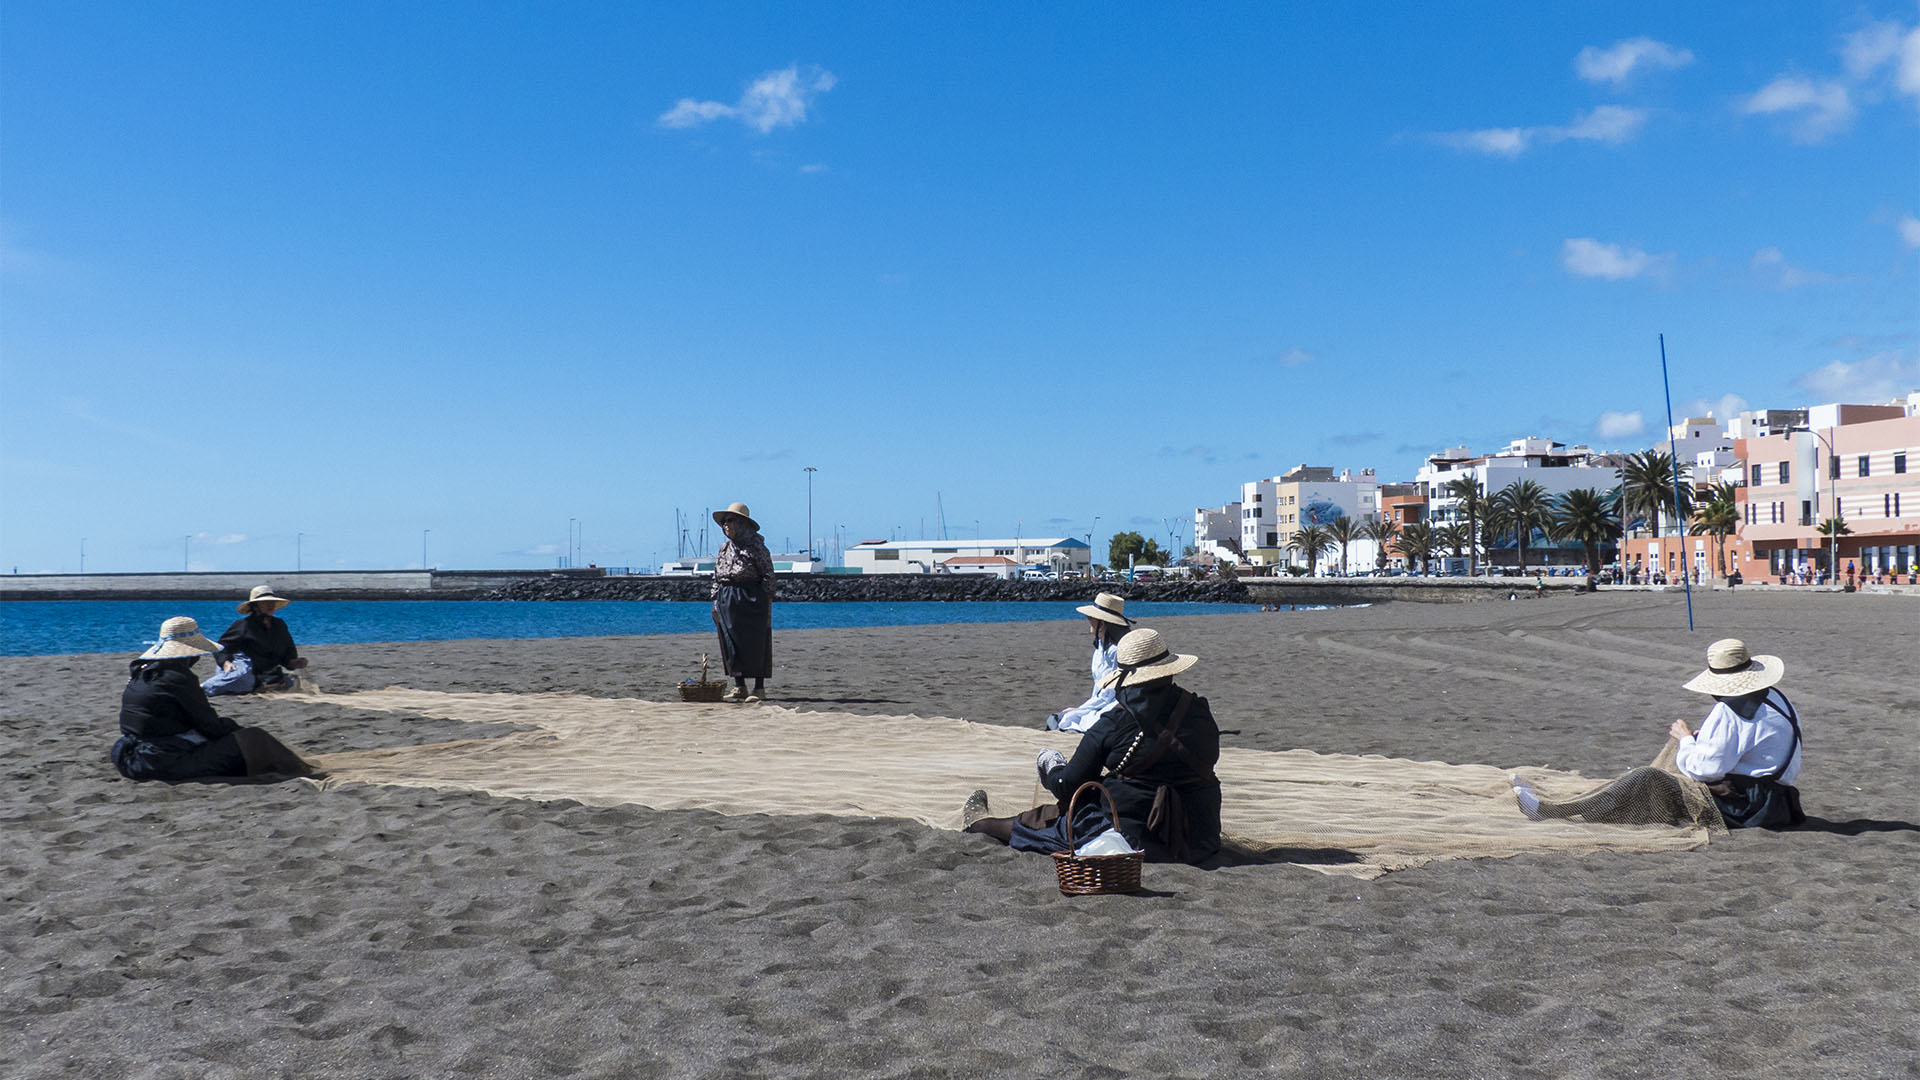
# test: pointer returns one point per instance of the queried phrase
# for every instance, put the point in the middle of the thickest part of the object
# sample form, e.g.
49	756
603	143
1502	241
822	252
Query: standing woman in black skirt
743	603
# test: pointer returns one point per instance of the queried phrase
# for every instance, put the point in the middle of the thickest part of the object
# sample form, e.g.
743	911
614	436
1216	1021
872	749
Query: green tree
1382	531
1467	490
1416	543
1343	530
1522	507
1831	530
1719	517
1453	538
1311	541
1143	551
1582	516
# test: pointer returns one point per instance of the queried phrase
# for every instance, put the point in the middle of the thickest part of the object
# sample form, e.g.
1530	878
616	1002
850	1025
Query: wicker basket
1096	875
702	690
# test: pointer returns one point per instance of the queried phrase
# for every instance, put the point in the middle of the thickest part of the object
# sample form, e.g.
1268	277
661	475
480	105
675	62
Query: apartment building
1858	463
1216	533
1556	467
1273	510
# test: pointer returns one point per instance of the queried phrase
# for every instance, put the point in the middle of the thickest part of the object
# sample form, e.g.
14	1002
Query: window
886	556
1833	467
1273	540
1838	509
1785	473
1806	511
1864	469
1003	551
1756	476
1886	506
1258	513
1899	463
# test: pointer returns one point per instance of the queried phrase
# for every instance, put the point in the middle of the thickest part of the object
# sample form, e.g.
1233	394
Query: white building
1556	467
1216	533
931	556
1273	510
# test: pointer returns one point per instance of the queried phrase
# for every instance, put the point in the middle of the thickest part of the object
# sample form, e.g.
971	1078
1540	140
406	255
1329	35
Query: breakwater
878	587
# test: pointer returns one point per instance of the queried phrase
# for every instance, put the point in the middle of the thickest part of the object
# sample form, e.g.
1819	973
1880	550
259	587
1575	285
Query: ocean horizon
58	627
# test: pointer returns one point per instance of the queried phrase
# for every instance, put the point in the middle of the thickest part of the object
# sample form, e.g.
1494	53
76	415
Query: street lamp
1833	471
423	548
810	470
186	546
567	559
297	537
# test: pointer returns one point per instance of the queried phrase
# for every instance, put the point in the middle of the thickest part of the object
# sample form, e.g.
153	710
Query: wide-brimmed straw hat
738	510
1107	608
1144	658
1731	672
179	637
262	594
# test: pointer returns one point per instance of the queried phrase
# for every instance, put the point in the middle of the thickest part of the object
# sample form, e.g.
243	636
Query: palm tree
1381	531
1648	480
1311	541
1467	490
1453	538
1832	530
1415	542
1581	515
1523	506
1719	517
1343	530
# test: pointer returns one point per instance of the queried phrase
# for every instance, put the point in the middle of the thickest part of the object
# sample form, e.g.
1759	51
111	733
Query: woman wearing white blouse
1745	758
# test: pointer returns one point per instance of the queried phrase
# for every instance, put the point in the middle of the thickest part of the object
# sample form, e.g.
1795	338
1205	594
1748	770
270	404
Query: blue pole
1673	444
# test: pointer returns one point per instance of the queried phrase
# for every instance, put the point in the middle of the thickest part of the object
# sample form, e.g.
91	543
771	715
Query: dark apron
744	617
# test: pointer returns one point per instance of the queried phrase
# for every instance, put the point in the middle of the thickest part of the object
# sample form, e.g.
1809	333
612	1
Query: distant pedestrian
1849	575
743	603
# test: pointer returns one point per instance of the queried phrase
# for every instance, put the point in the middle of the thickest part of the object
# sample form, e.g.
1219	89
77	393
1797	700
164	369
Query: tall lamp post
1833	473
297	537
810	470
423	548
186	546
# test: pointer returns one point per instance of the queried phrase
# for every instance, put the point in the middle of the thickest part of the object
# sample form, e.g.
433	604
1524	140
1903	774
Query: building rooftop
961	545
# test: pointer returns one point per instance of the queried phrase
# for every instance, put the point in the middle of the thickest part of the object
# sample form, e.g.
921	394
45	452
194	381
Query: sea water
44	627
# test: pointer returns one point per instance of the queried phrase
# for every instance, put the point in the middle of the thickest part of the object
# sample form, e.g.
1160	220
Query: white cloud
1610	124
1294	357
1587	257
1606	123
776	99
1619	425
1865	50
1616	62
1880	377
1909	227
231	538
1726	407
1906	69
814	168
1819	109
1772	262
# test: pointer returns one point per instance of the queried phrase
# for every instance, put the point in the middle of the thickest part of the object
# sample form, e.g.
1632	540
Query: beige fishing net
1335	813
1657	794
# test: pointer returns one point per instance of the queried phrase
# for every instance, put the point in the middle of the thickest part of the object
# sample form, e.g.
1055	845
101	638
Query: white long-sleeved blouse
1727	743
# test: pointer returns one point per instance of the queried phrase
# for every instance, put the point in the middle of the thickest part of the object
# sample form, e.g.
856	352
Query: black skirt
174	759
744	617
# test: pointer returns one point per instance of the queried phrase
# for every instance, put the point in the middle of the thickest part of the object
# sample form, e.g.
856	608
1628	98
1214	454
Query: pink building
1858	463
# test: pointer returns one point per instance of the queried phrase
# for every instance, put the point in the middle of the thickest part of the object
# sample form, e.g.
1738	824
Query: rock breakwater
879	587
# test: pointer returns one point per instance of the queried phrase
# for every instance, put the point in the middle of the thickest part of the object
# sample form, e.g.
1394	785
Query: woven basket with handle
1096	875
702	690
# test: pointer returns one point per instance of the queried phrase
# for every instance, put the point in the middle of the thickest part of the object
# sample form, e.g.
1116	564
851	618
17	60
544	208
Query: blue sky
355	272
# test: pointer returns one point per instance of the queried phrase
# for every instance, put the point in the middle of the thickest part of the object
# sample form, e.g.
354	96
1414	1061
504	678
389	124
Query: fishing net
1656	794
1358	815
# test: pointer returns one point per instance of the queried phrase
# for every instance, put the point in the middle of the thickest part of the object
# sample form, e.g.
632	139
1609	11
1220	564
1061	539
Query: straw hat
1107	608
738	510
179	637
1143	658
262	594
1731	672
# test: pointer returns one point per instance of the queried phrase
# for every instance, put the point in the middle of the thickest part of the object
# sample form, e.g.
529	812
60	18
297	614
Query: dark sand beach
228	931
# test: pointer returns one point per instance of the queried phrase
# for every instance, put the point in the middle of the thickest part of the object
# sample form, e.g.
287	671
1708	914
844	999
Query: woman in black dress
1154	752
256	652
743	603
169	731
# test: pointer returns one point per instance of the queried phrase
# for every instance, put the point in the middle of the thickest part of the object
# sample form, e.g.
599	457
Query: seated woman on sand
1740	766
169	731
1156	749
1107	620
257	651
